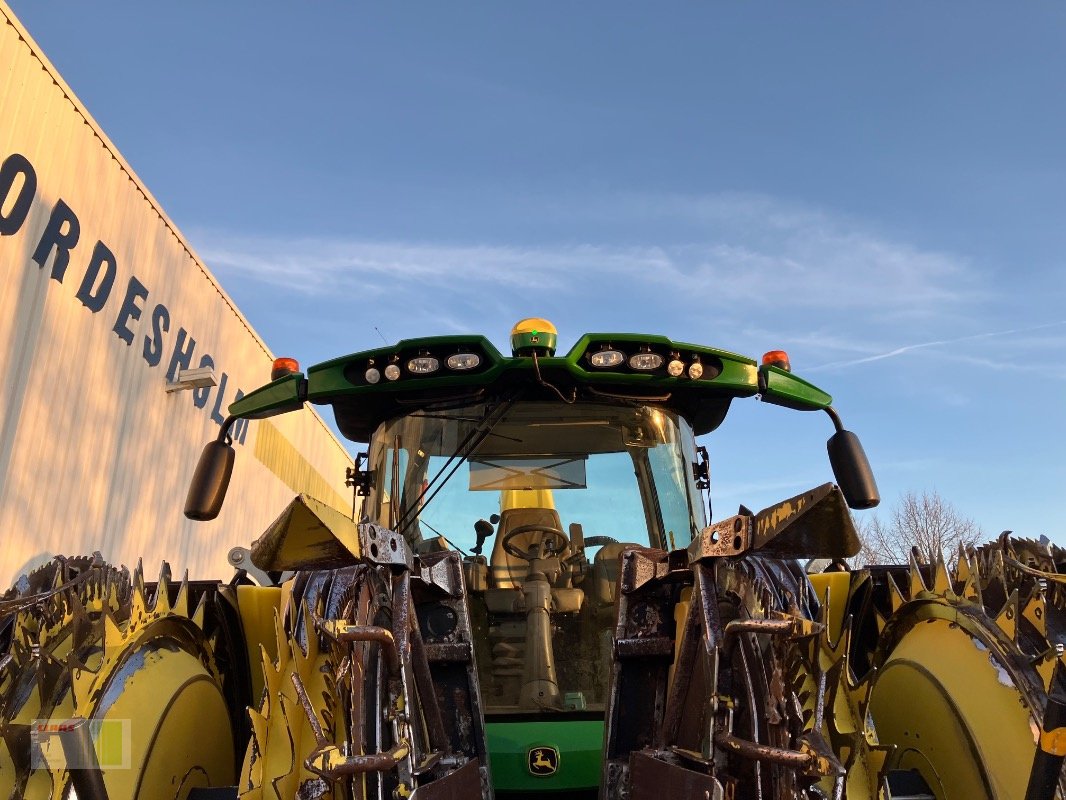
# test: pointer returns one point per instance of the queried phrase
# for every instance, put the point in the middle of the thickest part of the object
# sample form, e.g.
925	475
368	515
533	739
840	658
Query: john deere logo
543	761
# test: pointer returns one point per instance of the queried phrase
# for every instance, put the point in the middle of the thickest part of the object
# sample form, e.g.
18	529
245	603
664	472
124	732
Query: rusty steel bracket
652	778
341	631
779	623
379	545
730	537
441	573
810	759
815	524
328	760
642	566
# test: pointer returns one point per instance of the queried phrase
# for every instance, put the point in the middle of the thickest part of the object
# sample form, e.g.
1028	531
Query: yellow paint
180	731
781	513
257	606
532	325
278	455
167	730
1054	742
308	534
283	736
680	615
953	713
831	589
526	498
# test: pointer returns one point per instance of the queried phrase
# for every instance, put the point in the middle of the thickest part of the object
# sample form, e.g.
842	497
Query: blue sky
877	188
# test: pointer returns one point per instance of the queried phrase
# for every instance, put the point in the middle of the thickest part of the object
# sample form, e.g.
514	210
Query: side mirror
852	470
210	481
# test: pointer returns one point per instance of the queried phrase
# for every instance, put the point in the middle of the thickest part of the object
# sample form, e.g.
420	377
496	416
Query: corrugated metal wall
101	298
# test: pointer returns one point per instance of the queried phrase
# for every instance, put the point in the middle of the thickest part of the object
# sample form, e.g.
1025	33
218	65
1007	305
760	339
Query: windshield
542	498
622	471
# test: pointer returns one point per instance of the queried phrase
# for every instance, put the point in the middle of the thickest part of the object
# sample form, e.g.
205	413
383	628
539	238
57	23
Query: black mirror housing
852	470
209	483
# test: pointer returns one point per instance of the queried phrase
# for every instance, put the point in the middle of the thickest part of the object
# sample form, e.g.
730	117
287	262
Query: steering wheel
599	541
556	536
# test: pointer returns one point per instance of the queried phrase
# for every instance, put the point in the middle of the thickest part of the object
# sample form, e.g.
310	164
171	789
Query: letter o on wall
13	213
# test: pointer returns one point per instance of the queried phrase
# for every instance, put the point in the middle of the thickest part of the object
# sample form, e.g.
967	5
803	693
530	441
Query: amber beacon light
283	367
777	358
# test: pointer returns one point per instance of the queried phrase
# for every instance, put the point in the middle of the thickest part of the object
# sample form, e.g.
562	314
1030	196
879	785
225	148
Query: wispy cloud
910	348
735	258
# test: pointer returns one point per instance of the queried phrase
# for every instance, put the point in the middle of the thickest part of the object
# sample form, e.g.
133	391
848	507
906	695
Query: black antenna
386	341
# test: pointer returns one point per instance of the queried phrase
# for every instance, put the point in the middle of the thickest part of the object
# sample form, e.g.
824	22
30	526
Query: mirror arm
833	415
223	433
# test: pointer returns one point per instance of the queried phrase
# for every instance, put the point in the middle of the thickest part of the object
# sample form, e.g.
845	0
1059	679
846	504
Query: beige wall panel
94	454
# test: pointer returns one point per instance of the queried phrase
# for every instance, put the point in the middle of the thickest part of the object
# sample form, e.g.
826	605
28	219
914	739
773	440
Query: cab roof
373	386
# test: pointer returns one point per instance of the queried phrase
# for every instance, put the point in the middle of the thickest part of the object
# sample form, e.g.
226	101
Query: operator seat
506	571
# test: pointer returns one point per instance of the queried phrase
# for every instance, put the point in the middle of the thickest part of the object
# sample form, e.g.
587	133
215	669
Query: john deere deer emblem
543	761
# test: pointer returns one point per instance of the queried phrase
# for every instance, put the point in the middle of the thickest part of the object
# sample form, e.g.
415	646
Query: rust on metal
815	524
442	572
427	694
704	589
342	632
321	764
461	784
309	711
644	647
401	615
730	537
641	565
779	624
379	545
814	757
763	752
643	618
448	651
653	778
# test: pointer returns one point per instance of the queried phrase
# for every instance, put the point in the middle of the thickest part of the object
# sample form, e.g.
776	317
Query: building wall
102	301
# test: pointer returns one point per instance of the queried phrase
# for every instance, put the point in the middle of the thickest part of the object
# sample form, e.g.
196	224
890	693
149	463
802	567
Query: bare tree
924	520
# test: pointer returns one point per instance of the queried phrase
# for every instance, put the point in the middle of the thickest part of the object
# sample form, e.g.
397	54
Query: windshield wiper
445	538
494	413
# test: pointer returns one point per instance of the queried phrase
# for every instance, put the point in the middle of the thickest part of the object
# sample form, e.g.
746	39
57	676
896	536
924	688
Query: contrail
921	345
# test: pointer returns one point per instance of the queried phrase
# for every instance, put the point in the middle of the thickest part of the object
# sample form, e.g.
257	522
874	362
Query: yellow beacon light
533	336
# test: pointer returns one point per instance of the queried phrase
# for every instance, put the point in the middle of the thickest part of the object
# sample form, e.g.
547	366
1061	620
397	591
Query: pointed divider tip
917	581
